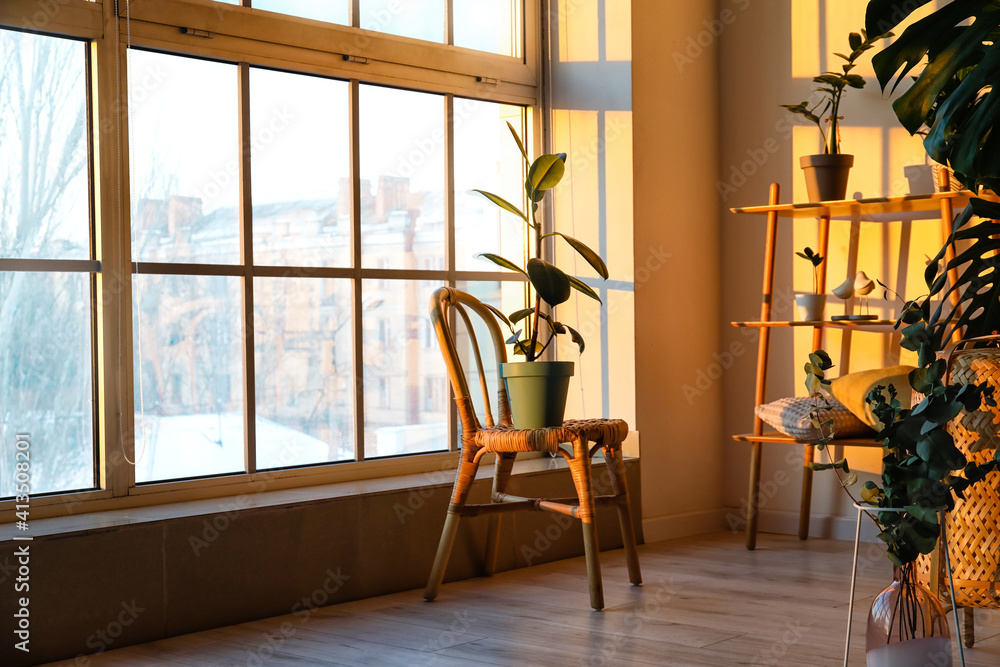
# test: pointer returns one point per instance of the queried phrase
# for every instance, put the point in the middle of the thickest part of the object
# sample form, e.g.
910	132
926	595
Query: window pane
186	174
47	385
402	172
405	380
192	378
506	296
331	11
420	19
44	156
301	193
487	158
305	371
489	25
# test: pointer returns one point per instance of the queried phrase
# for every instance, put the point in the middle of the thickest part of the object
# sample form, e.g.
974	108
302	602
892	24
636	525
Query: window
257	307
47	265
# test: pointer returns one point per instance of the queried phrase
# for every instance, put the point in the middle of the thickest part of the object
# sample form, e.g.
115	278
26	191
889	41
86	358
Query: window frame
246	37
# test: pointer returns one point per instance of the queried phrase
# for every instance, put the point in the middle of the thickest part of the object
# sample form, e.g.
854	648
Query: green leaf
552	285
519	315
544	174
520	144
581	286
923	514
498	314
854	39
576	337
505	263
592	257
504	204
924	379
850	480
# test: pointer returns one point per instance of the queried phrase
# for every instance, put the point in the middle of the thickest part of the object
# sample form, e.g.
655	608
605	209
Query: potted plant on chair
537	389
826	174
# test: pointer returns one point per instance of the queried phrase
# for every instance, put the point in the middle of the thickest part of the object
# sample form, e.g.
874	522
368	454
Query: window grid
113	414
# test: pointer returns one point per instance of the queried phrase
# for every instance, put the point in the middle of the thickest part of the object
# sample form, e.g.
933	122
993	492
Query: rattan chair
500	437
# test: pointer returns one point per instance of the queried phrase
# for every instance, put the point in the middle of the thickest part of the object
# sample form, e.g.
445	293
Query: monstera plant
954	98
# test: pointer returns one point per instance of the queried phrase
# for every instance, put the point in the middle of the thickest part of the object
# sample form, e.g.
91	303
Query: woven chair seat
510	439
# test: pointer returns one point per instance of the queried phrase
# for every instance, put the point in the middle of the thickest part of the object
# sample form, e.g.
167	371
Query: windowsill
102	520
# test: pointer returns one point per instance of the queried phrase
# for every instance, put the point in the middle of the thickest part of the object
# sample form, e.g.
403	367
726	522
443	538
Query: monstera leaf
978	282
955	94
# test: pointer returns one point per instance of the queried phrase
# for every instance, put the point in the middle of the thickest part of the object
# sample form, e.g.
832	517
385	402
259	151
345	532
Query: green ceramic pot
537	391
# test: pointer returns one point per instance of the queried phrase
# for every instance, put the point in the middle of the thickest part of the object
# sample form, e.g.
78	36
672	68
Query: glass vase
907	626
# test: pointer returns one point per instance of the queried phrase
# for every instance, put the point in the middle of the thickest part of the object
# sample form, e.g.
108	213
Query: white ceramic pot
811	306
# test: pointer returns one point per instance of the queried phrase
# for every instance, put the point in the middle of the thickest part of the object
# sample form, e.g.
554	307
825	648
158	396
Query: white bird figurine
863	284
845	290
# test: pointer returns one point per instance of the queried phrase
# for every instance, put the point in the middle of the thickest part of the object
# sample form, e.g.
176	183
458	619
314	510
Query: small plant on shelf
815	259
812	305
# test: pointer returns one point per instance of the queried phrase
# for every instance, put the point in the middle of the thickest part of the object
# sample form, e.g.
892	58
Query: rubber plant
826	110
550	285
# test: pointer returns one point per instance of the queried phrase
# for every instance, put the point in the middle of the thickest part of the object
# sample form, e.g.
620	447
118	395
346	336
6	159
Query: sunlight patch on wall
805	46
579	31
618	180
577	204
617	30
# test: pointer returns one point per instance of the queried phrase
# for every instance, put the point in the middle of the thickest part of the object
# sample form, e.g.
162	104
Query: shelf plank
774	436
846	324
875	209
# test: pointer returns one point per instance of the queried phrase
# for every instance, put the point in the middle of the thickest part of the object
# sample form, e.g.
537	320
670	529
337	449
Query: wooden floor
705	601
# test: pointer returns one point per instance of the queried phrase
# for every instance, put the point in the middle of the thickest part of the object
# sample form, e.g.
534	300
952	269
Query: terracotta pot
826	176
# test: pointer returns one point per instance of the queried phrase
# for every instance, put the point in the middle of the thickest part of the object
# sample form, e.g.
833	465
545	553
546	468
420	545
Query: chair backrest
444	302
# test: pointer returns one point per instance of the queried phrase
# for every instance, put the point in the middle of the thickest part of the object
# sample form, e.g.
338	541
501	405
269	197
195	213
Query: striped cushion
791	417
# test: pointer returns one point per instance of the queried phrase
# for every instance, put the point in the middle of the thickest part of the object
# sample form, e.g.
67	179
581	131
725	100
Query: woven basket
974	525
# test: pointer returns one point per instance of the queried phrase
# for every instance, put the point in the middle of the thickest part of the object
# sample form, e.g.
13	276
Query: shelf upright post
767	298
947	216
805	504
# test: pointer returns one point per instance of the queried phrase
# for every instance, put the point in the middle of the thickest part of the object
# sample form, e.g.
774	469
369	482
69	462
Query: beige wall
768	55
675	165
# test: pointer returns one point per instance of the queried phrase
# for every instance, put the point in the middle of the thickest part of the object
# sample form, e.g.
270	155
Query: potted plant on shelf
811	305
538	389
826	174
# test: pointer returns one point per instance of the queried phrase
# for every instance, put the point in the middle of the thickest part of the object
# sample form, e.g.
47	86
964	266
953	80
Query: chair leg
501	475
580	469
460	493
616	468
969	626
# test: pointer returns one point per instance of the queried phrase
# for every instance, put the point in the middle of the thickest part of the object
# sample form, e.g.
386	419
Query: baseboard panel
672	526
830	527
